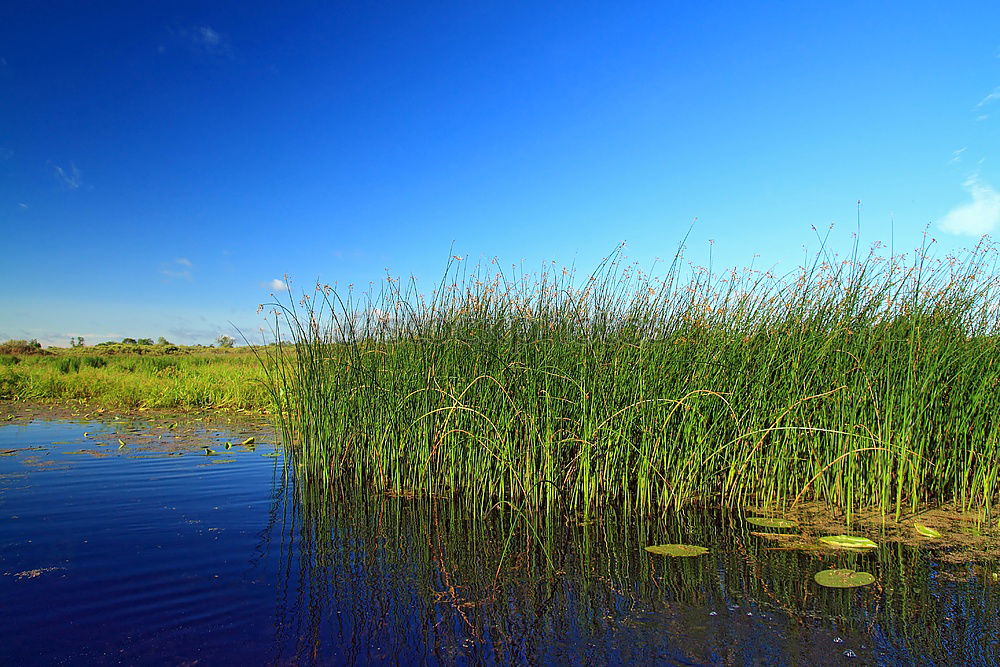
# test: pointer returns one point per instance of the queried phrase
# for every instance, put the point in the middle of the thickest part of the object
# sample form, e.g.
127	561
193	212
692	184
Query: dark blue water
153	559
155	553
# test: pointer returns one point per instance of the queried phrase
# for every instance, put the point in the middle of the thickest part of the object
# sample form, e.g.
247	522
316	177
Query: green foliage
866	381
225	341
21	347
74	363
184	378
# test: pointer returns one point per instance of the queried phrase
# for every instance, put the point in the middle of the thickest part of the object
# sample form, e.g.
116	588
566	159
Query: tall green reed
861	381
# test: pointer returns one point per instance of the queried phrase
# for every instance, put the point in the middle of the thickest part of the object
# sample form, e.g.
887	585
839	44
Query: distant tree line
222	341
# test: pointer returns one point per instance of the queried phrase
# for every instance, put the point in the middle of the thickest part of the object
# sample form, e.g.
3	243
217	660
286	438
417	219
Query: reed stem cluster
865	381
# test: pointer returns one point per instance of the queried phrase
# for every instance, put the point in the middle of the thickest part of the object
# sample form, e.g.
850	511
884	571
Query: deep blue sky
162	163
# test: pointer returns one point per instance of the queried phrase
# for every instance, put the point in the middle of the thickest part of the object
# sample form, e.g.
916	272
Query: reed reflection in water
374	578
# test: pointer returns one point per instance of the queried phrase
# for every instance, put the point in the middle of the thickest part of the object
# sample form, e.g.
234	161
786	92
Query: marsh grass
865	381
181	379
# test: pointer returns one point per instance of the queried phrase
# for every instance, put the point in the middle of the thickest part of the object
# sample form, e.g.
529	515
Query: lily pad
848	542
771	523
248	441
843	578
677	550
925	531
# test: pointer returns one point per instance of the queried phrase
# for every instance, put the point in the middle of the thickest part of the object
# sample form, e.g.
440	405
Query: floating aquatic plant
925	531
677	550
848	542
843	578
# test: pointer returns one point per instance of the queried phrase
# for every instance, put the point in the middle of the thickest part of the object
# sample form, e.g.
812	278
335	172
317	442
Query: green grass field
869	381
134	377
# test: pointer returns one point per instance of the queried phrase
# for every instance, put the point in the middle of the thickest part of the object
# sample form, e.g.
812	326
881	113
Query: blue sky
163	165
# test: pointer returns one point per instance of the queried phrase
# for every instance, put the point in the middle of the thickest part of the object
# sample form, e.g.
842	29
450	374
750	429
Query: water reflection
369	579
154	553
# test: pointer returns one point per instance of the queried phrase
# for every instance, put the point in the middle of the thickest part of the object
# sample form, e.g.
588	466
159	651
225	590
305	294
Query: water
155	553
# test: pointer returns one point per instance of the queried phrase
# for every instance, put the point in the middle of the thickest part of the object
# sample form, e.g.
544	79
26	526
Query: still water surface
155	553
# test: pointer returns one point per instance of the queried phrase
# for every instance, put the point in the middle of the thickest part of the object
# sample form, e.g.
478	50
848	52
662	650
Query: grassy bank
134	377
867	381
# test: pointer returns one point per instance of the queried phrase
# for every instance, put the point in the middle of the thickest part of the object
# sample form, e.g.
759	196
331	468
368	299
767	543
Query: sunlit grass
865	381
228	381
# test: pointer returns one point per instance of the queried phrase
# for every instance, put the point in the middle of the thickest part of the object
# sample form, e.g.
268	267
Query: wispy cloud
977	217
995	95
275	285
23	205
956	156
179	269
69	177
205	39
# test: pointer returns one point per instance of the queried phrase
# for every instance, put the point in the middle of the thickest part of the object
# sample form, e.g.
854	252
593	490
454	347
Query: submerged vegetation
867	381
126	376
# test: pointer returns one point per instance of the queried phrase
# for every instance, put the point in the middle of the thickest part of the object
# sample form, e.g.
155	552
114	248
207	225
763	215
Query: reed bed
863	381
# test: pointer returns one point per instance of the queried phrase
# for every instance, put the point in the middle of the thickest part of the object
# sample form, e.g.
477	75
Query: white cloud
995	95
70	177
978	217
23	205
179	269
276	285
956	156
207	36
205	39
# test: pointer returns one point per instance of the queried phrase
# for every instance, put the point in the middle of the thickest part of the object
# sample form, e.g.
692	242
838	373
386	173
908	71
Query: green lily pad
248	441
771	523
677	550
848	542
925	531
843	578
